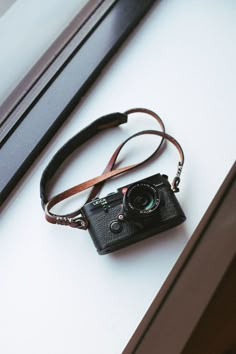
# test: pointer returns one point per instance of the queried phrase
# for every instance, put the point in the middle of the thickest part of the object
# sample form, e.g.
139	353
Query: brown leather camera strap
76	219
96	189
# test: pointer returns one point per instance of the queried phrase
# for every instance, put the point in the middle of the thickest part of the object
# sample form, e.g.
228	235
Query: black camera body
133	213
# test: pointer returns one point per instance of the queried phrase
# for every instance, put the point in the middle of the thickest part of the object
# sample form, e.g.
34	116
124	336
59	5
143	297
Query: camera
133	213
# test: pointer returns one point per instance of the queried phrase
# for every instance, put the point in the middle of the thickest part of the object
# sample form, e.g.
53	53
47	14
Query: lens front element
141	199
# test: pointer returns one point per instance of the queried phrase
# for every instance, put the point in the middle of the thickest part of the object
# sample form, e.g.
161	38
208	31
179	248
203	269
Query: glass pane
27	29
4	5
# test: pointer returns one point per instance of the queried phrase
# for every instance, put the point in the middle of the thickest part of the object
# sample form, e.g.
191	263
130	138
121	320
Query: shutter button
116	227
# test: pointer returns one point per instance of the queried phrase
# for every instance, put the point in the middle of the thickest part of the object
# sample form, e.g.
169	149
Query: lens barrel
141	200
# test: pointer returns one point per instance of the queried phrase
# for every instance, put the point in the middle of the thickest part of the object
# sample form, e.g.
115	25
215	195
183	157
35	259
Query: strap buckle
78	222
175	184
176	180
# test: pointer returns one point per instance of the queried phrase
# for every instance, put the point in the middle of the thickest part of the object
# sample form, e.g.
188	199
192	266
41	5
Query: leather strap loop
104	122
75	219
108	121
113	159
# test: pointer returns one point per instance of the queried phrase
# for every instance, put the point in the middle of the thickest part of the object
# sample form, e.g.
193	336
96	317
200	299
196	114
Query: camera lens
141	199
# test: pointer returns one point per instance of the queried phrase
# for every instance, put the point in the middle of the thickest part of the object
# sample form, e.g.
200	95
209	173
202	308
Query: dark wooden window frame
178	319
42	101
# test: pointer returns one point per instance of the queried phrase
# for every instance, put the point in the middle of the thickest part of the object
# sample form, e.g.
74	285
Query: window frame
23	132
